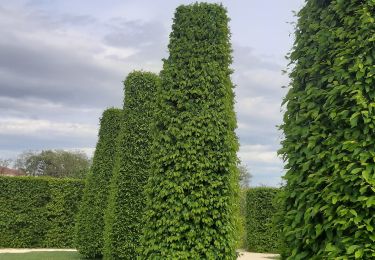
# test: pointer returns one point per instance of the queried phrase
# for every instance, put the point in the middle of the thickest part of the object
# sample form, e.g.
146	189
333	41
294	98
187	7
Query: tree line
52	163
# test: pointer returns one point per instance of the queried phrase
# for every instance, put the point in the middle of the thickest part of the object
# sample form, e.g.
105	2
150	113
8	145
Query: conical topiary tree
191	191
90	219
329	133
132	168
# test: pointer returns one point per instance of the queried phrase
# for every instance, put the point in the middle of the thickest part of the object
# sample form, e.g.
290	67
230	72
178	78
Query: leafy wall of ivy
329	128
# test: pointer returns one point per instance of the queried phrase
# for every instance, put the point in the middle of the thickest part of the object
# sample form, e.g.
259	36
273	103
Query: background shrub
262	235
90	222
38	212
62	211
241	221
132	168
191	193
329	133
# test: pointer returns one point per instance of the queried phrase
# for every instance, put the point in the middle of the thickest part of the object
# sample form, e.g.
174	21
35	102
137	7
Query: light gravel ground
256	256
243	255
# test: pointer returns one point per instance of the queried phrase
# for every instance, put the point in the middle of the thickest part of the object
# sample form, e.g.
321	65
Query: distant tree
244	175
54	163
28	162
5	162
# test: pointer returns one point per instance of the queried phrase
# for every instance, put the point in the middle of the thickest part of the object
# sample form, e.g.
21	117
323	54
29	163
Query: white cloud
259	154
266	78
8	154
32	127
259	108
89	151
263	163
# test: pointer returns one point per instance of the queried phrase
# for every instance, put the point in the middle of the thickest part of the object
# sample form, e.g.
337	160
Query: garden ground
71	254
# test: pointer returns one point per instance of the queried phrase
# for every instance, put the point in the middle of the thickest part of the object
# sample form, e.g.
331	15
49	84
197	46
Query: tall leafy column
123	218
90	220
192	188
329	128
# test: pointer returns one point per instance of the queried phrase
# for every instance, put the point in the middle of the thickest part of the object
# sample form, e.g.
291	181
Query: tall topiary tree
132	168
329	133
90	219
191	191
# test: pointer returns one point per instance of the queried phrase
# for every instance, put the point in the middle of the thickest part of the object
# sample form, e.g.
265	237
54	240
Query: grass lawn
41	256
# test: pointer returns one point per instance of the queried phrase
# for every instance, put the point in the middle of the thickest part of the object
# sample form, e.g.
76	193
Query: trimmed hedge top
90	223
38	211
329	133
191	191
132	168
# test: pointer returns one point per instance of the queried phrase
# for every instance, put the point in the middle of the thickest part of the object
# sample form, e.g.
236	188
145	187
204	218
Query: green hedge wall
191	192
38	211
90	220
329	133
132	168
262	235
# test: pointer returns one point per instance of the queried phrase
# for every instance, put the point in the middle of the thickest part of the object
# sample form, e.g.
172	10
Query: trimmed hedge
241	221
262	235
329	133
38	211
191	193
126	201
90	220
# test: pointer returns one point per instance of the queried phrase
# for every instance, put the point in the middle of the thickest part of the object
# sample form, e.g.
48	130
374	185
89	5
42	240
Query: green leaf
370	202
359	253
356	170
330	247
366	175
354	119
351	249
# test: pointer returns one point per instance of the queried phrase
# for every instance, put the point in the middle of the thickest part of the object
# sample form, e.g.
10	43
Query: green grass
41	255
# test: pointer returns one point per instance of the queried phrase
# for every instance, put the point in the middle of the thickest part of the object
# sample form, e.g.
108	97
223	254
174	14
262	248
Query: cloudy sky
62	62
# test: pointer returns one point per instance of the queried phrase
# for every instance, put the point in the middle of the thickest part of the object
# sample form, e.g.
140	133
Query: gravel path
243	256
256	256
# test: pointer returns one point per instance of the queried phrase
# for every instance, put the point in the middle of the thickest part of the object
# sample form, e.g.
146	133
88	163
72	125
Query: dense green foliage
65	197
262	236
38	212
329	133
241	225
191	193
123	219
90	221
54	163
